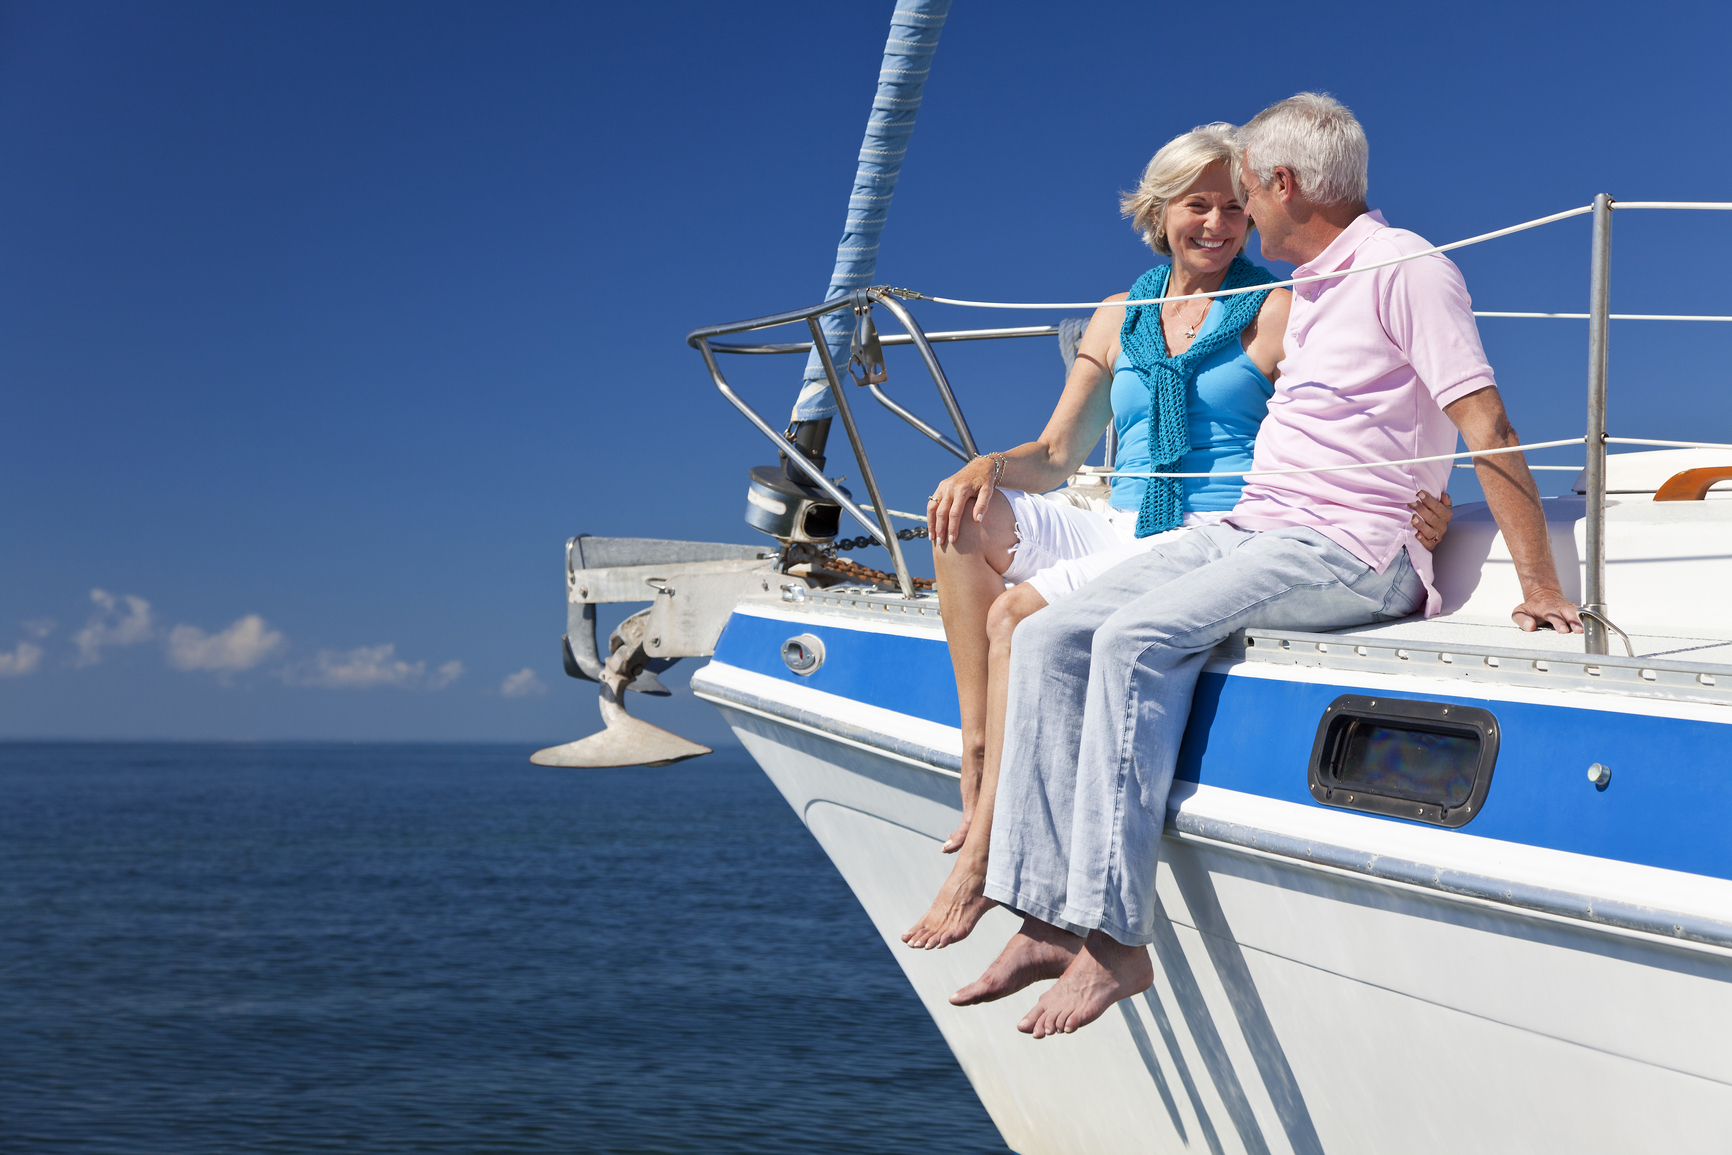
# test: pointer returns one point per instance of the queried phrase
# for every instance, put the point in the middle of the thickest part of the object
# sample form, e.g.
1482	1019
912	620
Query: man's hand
1548	608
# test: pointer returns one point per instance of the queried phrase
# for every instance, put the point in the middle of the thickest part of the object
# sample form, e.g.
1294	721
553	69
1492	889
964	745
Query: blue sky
322	326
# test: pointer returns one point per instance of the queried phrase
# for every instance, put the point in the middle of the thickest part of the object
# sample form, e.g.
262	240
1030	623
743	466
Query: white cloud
445	675
111	625
240	647
522	684
366	666
21	660
40	628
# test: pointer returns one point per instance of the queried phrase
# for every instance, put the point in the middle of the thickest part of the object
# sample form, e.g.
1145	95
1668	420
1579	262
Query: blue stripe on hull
909	675
1669	803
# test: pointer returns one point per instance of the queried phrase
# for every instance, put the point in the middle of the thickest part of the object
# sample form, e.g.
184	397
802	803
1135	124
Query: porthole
1404	758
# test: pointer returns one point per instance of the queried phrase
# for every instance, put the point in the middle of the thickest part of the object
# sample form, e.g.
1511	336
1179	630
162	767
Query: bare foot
960	903
1102	973
1038	951
958	836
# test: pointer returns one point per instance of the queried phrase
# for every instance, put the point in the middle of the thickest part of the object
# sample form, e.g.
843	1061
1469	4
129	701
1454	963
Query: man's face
1265	208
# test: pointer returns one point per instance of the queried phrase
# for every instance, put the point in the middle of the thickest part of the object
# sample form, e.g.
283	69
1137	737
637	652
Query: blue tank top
1224	406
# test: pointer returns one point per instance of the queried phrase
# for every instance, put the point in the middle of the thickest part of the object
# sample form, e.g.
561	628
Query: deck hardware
793	593
1322	648
1491	661
1591	671
1705	679
1594	639
1596	613
1542	667
1599	774
1649	675
1403	655
1362	651
1446	659
1285	644
803	654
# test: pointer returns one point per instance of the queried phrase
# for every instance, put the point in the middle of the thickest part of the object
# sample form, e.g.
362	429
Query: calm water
441	948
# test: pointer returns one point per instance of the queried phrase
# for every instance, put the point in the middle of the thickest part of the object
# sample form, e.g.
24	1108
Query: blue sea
396	948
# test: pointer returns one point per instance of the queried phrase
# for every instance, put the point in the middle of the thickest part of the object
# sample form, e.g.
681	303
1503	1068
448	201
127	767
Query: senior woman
1186	384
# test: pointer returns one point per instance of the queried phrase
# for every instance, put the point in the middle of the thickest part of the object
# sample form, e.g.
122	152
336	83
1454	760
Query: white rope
1613	316
1277	284
1672	204
1362	464
1668	444
1558	468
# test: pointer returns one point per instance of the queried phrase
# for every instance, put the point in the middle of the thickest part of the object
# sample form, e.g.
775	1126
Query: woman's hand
1431	517
944	509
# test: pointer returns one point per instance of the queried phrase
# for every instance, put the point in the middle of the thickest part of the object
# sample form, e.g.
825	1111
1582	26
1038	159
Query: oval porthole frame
803	654
1424	716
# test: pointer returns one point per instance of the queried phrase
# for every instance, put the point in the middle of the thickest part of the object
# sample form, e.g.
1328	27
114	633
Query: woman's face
1206	224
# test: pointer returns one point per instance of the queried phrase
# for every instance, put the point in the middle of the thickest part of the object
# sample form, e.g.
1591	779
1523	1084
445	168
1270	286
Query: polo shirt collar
1344	246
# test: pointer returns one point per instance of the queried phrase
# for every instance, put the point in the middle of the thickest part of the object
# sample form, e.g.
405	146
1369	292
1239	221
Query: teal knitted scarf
1167	377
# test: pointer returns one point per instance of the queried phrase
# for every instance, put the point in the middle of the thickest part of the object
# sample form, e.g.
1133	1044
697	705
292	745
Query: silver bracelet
998	460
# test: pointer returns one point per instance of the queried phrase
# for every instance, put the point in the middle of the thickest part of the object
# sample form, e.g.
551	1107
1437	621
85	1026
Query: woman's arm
1262	337
1083	410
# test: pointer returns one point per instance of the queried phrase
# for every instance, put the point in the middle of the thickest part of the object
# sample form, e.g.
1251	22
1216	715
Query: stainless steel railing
862	302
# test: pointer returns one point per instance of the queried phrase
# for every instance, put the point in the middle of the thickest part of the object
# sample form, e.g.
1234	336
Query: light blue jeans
1100	690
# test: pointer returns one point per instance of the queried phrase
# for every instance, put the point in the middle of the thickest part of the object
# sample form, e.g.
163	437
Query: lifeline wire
1610	316
1668	444
1278	284
1369	464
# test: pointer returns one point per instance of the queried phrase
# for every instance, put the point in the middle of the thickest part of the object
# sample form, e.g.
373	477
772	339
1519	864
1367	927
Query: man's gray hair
1315	137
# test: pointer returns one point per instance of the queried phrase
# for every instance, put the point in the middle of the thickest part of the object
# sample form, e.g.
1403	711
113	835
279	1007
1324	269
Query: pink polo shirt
1370	362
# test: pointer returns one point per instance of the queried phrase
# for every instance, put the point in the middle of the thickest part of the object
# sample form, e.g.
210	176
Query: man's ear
1286	185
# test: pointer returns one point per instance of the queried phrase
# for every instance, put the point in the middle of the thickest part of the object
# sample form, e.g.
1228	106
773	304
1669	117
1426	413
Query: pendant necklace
1191	330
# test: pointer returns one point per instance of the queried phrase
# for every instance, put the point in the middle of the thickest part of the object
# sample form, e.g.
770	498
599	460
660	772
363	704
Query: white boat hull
1296	1007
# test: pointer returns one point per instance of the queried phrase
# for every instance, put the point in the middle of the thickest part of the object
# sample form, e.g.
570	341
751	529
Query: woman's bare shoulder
1276	305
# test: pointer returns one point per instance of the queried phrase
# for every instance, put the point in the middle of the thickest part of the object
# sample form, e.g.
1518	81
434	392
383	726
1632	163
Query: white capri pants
1065	540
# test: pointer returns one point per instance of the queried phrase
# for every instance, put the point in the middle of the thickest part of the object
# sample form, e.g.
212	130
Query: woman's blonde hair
1173	170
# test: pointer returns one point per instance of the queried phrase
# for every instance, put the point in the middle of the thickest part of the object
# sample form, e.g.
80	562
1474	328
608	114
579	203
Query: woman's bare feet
960	903
1101	974
1038	951
959	835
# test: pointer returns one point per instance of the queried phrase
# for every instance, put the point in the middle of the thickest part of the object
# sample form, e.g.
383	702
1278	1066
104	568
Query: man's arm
1515	503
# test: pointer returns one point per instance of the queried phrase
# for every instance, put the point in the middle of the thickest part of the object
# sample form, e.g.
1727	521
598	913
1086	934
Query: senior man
1383	365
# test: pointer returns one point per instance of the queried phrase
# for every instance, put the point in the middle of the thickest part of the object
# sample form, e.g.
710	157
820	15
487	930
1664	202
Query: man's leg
1032	817
1143	669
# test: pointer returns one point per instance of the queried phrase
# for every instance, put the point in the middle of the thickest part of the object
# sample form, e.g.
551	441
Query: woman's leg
969	581
962	899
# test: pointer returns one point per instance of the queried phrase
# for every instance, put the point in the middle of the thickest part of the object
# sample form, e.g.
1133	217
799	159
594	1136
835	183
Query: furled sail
914	29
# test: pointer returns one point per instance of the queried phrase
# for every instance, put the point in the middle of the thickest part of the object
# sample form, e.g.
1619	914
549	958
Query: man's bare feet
960	903
959	835
1038	951
1102	973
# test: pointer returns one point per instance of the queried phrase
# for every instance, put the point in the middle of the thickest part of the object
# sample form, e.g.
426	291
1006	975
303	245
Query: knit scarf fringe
1168	378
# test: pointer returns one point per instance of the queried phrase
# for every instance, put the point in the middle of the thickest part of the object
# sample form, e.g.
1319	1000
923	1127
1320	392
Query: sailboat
1430	885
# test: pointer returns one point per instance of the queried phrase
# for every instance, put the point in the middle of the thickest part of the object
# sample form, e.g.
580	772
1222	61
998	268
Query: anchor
627	741
693	587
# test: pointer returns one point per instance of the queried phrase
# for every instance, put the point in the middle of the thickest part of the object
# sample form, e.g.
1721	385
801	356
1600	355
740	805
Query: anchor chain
861	542
824	557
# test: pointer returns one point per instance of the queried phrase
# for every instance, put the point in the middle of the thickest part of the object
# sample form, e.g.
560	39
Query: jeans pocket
1404	592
